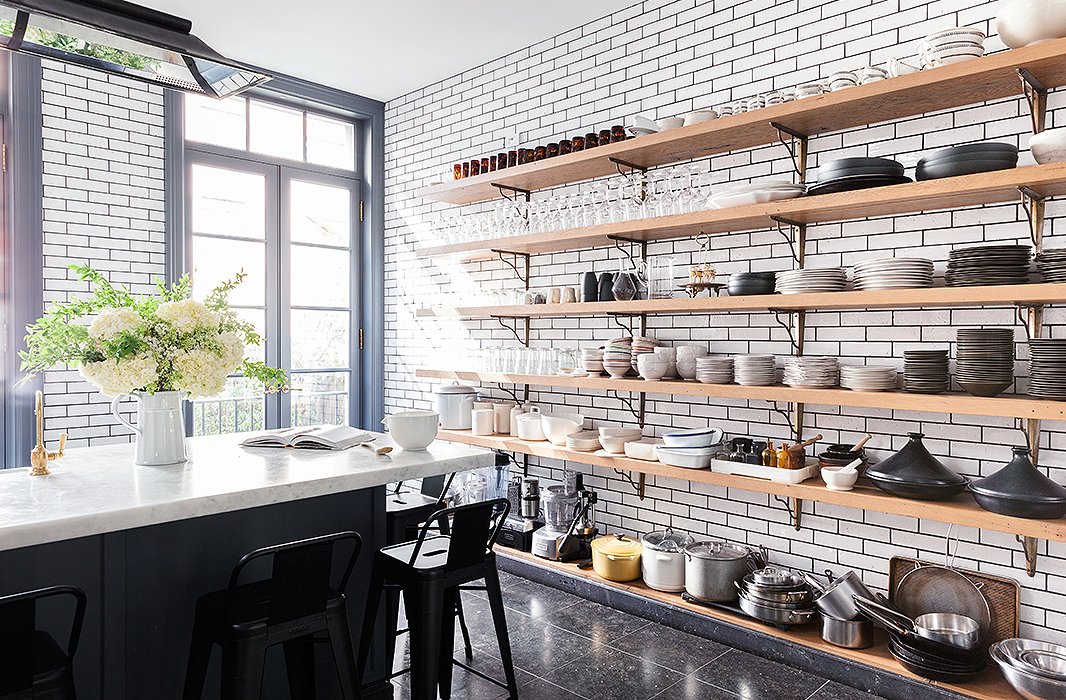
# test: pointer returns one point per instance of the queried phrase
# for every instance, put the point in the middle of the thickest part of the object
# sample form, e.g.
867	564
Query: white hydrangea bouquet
167	342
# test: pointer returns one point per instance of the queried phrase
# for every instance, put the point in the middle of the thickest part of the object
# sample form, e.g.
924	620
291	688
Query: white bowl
687	457
652	371
670	123
616	444
413	430
1024	22
700	116
837	481
1049	146
557	426
646	123
699	437
644	449
620	432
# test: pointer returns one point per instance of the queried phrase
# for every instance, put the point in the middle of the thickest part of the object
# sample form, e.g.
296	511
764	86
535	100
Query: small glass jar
501	161
553	150
591	140
605	137
564	146
618	133
512	158
540	153
475	167
457	171
525	155
484	165
577	143
492	164
466	169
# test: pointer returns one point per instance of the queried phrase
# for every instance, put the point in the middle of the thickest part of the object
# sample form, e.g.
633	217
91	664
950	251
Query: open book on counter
316	437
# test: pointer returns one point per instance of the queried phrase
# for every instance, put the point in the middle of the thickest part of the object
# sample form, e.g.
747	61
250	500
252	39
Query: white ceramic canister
502	424
530	426
483	421
454	402
517	410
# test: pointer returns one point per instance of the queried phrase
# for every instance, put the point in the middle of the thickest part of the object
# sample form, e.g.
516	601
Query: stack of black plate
847	174
925	371
745	283
967	160
1047	368
1052	264
914	473
991	264
984	360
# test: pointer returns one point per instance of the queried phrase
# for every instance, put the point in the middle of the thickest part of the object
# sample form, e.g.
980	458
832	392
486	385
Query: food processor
568	522
524	519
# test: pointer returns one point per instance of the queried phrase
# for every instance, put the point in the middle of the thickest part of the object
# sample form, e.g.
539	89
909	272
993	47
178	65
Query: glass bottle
624	289
769	455
784	457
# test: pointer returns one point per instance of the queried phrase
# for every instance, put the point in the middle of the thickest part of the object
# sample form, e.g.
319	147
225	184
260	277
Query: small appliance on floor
524	520
568	523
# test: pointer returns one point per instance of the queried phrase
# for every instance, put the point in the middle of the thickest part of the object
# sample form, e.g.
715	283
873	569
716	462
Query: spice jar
457	171
564	146
605	137
553	150
591	140
577	143
475	167
618	133
512	158
466	169
484	165
501	161
540	153
525	155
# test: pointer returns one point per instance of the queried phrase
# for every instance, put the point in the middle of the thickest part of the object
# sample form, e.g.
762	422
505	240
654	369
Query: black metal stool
32	665
431	571
290	607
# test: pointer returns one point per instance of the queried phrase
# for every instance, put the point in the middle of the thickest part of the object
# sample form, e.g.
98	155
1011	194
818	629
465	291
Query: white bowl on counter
686	457
413	430
644	449
1049	146
557	426
697	437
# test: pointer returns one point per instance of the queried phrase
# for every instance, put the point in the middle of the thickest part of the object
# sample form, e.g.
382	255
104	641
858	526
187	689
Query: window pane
320	397
228	202
276	131
319	339
320	214
319	276
218	122
217	259
239	408
330	142
257	317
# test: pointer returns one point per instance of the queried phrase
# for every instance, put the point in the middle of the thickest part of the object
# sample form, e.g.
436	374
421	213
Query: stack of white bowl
714	369
687	356
758	192
618	356
669	356
872	74
951	46
585	441
809	90
592	361
868	377
755	370
693	449
651	367
642	345
816	372
841	80
615	439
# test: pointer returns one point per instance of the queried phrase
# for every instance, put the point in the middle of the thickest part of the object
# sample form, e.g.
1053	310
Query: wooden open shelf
961	510
989	685
929	195
1004	406
938	297
987	78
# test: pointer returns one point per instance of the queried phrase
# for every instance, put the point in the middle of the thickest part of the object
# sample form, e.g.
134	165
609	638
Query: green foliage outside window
71	44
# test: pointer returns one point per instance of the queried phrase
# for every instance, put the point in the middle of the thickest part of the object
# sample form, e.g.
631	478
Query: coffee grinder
524	519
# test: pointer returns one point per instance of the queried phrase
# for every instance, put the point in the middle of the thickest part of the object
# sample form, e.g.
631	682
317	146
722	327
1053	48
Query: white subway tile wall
103	205
665	59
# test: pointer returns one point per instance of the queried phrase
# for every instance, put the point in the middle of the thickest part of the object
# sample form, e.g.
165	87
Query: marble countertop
94	490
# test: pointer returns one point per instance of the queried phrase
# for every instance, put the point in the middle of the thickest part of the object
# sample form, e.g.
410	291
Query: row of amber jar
522	156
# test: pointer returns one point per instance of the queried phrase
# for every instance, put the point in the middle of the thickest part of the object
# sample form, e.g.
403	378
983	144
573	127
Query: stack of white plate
642	345
818	372
756	193
618	357
592	361
829	279
755	370
894	273
714	369
925	371
868	377
951	46
584	441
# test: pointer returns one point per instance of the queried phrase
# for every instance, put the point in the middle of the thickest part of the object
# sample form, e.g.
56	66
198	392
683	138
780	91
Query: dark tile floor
568	648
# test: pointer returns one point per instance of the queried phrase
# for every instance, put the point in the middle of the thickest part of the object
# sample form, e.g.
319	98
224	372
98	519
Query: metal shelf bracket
796	144
518	191
790	327
633	167
794	508
1033	206
796	237
641	246
637	484
785	413
1036	95
1029	547
522	338
523	276
639	410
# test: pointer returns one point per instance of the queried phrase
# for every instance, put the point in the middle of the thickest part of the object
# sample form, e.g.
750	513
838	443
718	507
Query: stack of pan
967	160
777	596
846	174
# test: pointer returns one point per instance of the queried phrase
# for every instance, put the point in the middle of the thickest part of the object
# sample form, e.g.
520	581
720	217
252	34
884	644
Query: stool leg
300	667
340	641
462	625
373	600
392	618
499	621
242	668
424	602
447	643
199	659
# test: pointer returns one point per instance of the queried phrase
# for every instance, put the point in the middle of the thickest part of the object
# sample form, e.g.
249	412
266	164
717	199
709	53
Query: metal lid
718	551
455	388
666	540
617	545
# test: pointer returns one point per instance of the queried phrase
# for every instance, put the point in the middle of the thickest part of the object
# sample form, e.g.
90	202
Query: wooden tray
1003	594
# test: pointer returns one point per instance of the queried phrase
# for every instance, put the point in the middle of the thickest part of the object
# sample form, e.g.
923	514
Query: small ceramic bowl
670	123
643	449
836	480
700	116
1049	146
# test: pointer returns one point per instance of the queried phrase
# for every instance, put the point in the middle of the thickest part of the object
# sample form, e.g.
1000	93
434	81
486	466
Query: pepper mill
590	288
606	289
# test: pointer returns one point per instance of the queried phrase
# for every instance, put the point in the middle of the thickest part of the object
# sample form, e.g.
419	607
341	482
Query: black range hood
119	37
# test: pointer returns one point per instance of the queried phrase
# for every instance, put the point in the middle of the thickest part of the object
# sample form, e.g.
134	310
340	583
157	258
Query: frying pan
929	588
920	645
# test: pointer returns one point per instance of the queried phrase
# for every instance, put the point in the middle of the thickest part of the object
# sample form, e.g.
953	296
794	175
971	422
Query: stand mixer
568	523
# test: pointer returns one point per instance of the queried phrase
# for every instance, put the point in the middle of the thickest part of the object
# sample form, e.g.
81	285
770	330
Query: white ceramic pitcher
160	427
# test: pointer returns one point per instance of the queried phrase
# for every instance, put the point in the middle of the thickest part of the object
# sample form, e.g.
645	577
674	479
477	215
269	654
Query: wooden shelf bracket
523	275
1036	95
796	144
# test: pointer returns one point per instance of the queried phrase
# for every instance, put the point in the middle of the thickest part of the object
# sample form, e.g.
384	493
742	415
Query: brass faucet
40	457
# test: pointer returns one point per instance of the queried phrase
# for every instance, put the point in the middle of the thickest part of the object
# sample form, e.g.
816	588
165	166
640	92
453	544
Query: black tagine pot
914	473
1020	490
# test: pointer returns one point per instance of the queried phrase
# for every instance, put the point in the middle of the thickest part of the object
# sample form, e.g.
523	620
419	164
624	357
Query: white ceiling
379	48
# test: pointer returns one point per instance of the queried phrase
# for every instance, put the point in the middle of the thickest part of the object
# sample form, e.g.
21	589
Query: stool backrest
301	575
473	530
18	622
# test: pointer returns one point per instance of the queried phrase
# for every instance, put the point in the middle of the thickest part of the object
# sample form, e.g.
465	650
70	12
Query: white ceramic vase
160	427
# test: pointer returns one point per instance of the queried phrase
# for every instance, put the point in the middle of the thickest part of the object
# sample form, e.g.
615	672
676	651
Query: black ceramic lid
914	465
1020	480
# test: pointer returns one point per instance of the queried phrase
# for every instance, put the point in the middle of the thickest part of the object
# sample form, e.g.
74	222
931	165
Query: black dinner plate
856	182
